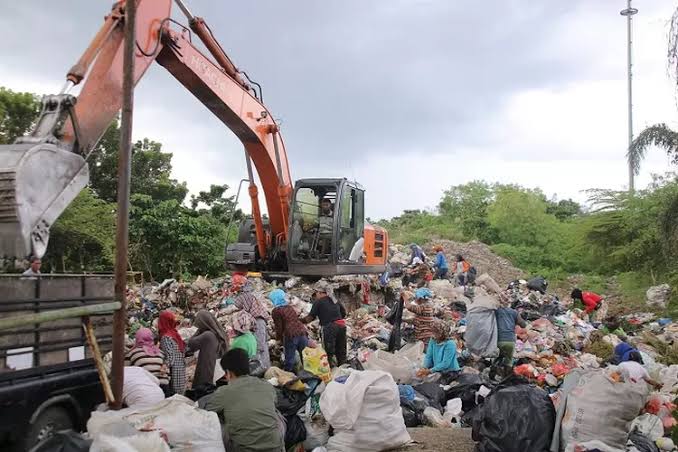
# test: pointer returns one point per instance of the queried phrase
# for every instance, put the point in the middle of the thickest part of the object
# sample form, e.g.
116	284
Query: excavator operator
325	226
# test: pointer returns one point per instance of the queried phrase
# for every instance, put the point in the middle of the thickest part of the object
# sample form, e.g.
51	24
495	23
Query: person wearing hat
331	314
441	353
423	311
441	263
289	328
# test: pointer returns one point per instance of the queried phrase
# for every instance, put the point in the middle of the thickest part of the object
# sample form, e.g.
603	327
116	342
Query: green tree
18	112
518	217
151	169
659	135
215	203
168	239
82	239
466	205
564	209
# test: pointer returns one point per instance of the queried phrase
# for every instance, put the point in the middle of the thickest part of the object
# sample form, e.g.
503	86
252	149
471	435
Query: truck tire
52	420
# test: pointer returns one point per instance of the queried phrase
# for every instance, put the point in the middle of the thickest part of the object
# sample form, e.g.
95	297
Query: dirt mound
481	257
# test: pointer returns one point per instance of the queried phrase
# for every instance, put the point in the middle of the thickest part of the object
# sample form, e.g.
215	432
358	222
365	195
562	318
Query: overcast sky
408	97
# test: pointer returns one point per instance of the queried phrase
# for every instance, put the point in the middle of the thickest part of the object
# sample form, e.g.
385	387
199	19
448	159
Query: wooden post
98	360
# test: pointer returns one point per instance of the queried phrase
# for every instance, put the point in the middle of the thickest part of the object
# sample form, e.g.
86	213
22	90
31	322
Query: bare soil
428	439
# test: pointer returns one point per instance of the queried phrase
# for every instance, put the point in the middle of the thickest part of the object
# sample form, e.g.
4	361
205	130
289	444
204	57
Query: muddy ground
427	439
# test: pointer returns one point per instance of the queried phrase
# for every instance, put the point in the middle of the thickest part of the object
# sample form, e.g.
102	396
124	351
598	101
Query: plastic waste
665	444
648	425
315	362
434	418
514	419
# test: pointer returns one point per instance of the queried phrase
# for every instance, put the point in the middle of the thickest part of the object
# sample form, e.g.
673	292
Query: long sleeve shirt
176	363
441	262
246	407
590	301
287	323
441	357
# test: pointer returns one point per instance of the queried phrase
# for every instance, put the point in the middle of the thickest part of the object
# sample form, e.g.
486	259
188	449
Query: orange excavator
315	227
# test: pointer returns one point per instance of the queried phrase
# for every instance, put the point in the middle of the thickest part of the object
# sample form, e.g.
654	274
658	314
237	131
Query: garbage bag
295	432
365	413
406	393
289	402
600	408
538	283
435	395
410	417
641	442
648	425
315	361
434	417
481	330
66	441
515	419
399	367
465	388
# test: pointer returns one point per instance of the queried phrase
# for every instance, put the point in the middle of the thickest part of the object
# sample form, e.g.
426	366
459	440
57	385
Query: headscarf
326	288
249	303
243	322
167	326
278	298
440	328
144	339
240	283
423	292
205	321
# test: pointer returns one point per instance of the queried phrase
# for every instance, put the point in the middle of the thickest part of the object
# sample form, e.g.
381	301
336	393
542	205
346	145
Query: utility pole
629	12
122	223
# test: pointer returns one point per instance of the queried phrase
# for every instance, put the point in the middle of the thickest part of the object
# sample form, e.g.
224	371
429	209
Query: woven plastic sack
400	368
365	413
600	409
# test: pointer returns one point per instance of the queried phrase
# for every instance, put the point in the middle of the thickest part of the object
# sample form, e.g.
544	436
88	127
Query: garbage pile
564	392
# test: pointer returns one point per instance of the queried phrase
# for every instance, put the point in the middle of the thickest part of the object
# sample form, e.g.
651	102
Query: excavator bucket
37	183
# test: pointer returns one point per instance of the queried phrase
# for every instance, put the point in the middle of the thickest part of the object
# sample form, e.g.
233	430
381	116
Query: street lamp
629	12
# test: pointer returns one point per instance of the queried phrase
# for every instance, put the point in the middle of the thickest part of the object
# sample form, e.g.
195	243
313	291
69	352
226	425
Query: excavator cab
327	230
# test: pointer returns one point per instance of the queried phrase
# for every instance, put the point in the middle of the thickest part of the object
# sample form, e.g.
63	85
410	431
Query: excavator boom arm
218	86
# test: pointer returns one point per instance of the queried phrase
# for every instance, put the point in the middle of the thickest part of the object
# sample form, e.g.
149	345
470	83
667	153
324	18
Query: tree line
169	235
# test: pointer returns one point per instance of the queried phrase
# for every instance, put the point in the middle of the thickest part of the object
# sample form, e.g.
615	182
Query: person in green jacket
243	322
246	408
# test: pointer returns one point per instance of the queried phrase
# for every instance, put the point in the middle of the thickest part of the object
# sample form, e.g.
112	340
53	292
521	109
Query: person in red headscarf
172	345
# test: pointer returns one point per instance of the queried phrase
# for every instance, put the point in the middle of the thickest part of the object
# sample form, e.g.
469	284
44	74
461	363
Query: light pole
629	12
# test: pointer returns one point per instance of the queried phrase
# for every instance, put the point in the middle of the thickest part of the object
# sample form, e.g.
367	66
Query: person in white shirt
140	388
633	369
34	271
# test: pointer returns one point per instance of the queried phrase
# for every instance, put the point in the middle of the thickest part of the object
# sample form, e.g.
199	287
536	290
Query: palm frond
659	135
